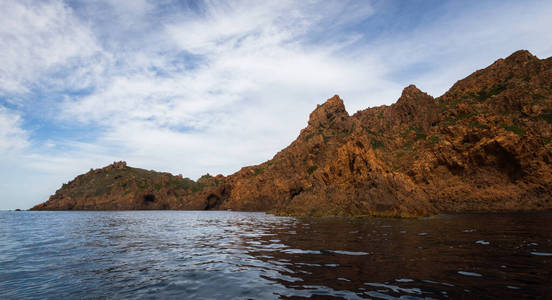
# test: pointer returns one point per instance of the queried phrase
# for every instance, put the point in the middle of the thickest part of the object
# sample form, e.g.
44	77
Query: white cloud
256	26
41	38
12	137
258	82
464	40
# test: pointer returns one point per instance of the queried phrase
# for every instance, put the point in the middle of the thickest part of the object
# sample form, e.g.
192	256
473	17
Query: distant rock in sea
485	145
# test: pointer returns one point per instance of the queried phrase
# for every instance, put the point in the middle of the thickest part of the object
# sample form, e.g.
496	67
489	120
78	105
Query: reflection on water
170	254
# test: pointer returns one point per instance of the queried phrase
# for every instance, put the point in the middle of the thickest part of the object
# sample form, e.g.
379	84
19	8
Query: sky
195	87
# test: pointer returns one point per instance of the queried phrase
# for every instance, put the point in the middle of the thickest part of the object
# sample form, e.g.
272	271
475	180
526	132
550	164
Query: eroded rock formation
485	145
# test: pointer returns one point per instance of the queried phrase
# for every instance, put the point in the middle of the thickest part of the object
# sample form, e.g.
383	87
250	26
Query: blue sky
191	87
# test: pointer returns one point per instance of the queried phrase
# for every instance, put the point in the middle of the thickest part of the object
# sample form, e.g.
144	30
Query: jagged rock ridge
485	145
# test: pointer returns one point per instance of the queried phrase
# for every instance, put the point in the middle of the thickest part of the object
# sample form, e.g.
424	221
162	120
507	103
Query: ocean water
234	255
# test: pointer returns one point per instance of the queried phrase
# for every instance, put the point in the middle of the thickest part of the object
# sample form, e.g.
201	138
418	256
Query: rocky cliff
485	145
120	187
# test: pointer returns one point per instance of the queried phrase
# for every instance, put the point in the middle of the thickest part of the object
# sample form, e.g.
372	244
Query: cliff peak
520	56
412	93
330	110
118	165
414	106
411	88
484	84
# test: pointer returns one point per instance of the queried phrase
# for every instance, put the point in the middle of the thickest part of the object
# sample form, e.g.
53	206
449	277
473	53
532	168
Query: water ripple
233	255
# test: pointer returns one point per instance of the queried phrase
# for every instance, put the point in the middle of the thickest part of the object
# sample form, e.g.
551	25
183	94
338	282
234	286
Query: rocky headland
485	145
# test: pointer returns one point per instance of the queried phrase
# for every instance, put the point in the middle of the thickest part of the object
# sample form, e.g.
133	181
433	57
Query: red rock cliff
485	145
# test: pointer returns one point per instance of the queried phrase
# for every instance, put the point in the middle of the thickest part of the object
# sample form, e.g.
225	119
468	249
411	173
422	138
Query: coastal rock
119	187
485	145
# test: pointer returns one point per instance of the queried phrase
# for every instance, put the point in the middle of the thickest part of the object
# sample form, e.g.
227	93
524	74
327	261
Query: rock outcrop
119	187
485	145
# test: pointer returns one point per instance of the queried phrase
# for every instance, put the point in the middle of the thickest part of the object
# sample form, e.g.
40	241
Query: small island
483	146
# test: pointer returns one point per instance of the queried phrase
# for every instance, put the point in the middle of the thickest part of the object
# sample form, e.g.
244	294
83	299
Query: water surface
225	255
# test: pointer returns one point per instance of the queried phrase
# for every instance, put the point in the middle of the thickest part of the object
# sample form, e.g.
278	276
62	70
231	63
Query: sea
239	255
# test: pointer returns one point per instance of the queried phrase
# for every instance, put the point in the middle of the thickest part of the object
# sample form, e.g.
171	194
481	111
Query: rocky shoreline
483	146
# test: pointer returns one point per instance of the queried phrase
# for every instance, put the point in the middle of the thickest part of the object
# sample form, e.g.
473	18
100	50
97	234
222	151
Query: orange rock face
485	145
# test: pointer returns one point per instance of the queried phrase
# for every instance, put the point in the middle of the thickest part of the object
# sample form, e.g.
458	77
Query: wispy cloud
40	42
463	38
12	137
258	79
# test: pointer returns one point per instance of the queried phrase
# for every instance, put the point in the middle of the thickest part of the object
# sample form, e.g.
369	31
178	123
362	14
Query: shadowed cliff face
485	145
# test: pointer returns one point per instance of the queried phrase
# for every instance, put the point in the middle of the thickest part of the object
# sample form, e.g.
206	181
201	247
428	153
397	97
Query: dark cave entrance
149	198
212	202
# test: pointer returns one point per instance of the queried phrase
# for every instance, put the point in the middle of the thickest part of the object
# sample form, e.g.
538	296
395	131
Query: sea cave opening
149	198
